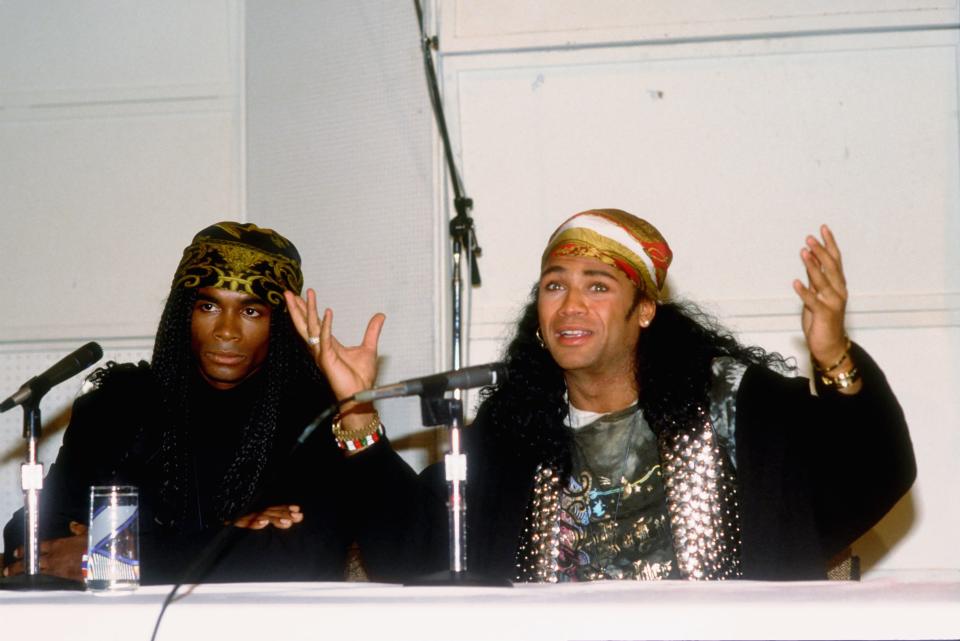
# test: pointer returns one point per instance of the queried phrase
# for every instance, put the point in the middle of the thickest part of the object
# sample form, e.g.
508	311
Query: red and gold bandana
242	258
618	239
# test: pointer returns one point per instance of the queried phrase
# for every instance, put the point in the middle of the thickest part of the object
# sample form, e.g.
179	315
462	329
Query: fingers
313	320
59	557
817	282
13	569
303	313
282	516
824	296
372	336
18	568
831	244
77	529
279	516
298	312
326	331
245	521
808	296
823	263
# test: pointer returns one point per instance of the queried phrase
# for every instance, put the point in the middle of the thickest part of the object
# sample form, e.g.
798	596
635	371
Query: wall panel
537	24
736	149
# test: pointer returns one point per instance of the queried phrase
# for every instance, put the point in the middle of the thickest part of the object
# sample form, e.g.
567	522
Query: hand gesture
348	369
58	557
279	516
824	298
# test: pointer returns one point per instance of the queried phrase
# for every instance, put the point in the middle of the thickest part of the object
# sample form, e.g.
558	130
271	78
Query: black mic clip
435	409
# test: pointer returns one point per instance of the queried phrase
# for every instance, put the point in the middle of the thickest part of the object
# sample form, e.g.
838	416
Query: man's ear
646	309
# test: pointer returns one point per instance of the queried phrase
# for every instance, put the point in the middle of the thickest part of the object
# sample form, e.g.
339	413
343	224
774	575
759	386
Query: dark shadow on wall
885	535
51	428
432	441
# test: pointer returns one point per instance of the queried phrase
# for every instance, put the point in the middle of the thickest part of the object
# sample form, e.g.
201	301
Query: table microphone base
449	577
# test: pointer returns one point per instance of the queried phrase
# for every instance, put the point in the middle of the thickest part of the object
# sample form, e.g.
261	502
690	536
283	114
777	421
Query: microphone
66	367
476	376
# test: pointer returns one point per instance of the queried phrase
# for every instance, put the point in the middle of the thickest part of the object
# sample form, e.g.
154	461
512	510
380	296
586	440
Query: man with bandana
636	439
204	431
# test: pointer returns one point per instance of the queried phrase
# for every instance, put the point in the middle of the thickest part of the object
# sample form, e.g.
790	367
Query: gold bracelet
843	380
843	357
351	435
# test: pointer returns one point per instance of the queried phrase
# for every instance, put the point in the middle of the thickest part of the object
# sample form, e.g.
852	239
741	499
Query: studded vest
701	495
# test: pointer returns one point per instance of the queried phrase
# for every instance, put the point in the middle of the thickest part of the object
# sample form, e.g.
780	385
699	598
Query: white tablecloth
886	606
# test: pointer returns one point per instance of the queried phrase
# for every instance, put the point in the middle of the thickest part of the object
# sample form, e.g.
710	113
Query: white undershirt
577	418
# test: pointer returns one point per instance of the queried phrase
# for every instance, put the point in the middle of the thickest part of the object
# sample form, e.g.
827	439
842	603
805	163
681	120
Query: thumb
372	336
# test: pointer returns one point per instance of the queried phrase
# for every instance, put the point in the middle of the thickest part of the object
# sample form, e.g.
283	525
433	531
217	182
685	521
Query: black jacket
113	438
814	473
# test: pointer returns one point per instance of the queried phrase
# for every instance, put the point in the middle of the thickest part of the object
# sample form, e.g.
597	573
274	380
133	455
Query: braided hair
673	373
288	366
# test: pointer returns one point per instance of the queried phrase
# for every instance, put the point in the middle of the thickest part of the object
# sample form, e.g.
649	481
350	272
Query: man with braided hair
635	439
205	428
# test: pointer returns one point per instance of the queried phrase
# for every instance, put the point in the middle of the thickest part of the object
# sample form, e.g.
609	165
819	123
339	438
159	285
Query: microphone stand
31	481
437	410
462	234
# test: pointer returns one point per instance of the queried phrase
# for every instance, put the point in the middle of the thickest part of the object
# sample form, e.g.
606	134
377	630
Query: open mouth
572	336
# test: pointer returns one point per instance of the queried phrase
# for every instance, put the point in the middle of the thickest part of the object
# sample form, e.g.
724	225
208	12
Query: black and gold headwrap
241	257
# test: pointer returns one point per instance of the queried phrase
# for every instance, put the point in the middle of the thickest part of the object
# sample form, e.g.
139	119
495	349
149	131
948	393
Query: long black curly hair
288	366
673	372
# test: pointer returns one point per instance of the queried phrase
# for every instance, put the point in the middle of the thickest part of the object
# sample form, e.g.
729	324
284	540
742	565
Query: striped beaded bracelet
362	442
358	439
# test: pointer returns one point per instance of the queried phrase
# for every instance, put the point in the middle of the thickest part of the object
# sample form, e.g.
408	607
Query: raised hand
349	369
824	298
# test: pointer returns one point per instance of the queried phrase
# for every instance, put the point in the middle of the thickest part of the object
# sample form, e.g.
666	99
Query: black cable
204	558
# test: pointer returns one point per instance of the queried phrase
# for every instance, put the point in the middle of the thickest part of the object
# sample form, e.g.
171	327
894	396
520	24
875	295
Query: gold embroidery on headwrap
211	261
238	229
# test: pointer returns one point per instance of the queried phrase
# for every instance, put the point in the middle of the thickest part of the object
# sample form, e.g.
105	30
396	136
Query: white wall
120	132
737	128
